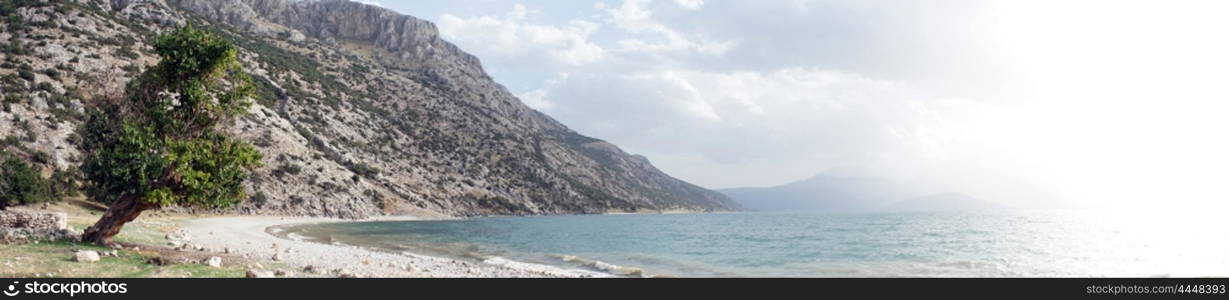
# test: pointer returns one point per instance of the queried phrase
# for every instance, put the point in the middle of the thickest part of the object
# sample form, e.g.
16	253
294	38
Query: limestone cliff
362	112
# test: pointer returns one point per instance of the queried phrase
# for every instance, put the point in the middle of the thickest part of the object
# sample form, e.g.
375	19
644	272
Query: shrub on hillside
20	183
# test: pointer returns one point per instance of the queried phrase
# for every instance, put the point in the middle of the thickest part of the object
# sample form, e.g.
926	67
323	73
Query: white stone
85	256
214	261
61	220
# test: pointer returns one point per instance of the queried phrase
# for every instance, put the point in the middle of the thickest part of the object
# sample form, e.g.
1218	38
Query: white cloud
510	38
650	88
773	126
650	35
690	4
976	94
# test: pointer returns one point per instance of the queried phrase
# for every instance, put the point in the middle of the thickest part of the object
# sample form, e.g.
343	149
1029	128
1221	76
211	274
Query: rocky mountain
362	111
855	190
825	192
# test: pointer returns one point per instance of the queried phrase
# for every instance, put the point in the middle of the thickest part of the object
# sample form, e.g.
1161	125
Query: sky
1028	103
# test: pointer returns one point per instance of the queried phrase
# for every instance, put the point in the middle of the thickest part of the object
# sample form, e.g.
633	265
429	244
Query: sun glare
1117	103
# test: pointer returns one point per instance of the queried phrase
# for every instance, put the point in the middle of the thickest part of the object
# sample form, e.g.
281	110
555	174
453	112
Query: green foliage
64	183
126	52
266	93
47	86
26	74
291	169
280	60
363	169
161	144
20	183
42	157
53	73
15	23
130	68
13	98
15	48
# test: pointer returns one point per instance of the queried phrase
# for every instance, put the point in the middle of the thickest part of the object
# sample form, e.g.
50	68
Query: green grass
54	259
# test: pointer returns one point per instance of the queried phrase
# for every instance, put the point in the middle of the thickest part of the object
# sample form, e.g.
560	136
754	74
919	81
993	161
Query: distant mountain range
840	192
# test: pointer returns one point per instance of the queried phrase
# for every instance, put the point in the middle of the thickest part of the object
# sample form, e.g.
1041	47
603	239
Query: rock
260	274
277	256
77	106
226	250
343	273
214	261
310	269
38	102
85	256
280	273
296	36
61	220
175	244
23	225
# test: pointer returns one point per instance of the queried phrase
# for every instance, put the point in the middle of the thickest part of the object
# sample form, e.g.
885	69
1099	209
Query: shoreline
255	237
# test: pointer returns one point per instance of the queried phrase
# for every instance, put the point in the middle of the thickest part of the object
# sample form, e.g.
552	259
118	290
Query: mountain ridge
855	190
363	112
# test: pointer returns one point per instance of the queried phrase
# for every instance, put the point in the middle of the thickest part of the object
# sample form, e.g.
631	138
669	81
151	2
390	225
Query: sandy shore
250	236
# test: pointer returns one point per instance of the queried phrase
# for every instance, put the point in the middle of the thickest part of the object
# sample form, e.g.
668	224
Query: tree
20	183
163	143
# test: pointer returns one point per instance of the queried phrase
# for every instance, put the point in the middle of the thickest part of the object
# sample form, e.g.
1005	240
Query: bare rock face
361	112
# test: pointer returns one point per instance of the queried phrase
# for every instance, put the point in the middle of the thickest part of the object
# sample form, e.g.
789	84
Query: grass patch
54	259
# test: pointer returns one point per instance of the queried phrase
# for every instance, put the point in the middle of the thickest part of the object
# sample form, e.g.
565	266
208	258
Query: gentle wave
604	266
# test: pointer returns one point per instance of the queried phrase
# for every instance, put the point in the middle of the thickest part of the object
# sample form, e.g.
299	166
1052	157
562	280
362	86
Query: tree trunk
124	210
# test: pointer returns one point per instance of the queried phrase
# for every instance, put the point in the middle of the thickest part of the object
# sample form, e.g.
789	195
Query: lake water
998	244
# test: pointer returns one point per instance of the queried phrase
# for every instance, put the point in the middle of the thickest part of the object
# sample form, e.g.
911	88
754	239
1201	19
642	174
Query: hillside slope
362	111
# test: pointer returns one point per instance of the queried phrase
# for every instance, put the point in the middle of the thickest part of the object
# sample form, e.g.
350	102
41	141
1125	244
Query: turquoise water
1007	244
